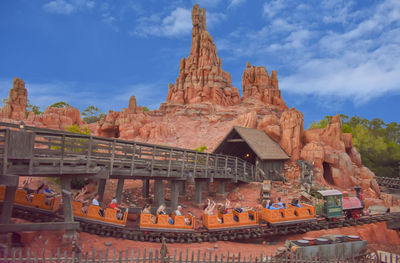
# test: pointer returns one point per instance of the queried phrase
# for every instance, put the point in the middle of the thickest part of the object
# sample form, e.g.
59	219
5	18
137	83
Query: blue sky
331	56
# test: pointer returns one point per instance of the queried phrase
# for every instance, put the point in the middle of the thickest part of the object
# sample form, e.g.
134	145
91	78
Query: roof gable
260	142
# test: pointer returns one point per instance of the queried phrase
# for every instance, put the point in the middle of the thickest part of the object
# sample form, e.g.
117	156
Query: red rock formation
57	118
201	77
15	108
292	125
256	83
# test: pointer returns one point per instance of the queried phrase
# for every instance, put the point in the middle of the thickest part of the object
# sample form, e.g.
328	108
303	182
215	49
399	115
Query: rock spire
257	83
15	108
201	77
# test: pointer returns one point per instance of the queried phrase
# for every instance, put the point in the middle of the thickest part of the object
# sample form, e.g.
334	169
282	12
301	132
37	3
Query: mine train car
329	204
167	223
334	204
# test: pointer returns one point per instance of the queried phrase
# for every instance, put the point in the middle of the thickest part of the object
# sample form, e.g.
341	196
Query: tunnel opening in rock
327	173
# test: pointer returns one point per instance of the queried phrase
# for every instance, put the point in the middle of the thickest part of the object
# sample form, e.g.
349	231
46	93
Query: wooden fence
19	255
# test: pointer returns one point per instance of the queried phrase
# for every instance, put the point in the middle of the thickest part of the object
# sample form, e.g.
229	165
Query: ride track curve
201	234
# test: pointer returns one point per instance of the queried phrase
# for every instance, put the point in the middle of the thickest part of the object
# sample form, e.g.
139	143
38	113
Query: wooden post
169	162
120	187
67	204
112	157
5	155
183	164
207	157
159	192
8	203
221	187
174	194
89	155
100	189
133	159
195	164
62	153
197	195
145	188
226	166
236	166
152	160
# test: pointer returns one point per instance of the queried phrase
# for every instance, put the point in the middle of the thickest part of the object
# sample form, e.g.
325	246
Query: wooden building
256	147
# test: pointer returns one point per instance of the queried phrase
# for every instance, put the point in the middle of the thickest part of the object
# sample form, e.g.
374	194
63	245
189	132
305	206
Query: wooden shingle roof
260	142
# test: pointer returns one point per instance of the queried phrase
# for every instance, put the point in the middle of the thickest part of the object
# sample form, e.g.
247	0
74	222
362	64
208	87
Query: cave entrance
116	132
327	172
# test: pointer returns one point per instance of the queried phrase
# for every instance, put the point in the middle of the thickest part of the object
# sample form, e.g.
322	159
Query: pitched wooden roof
259	141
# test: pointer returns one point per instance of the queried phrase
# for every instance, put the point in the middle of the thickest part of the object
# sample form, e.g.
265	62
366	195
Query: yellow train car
289	214
230	220
165	222
93	212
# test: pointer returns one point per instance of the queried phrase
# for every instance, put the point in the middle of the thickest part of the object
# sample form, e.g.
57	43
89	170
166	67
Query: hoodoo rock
201	77
15	108
257	83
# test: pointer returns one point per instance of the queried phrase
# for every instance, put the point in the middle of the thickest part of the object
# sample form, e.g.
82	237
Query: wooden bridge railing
389	182
66	152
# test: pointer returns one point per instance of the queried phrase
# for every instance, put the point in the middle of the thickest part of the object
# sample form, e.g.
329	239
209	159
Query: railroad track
201	234
393	183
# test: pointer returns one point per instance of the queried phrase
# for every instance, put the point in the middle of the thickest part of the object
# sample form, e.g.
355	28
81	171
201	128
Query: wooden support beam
51	226
197	194
120	187
9	180
159	192
8	204
5	155
235	140
100	189
145	188
174	194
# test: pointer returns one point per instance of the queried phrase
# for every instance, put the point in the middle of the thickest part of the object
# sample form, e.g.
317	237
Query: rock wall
201	77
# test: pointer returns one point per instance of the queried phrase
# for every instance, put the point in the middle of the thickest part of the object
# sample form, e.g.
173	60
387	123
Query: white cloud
334	50
65	7
235	3
271	8
59	7
207	3
176	23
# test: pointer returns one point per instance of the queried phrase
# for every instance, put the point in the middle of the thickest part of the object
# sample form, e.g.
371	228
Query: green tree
92	114
34	108
145	108
322	123
201	149
4	101
61	104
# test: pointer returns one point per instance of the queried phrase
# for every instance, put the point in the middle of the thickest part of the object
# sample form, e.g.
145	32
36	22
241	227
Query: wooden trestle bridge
32	151
388	182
